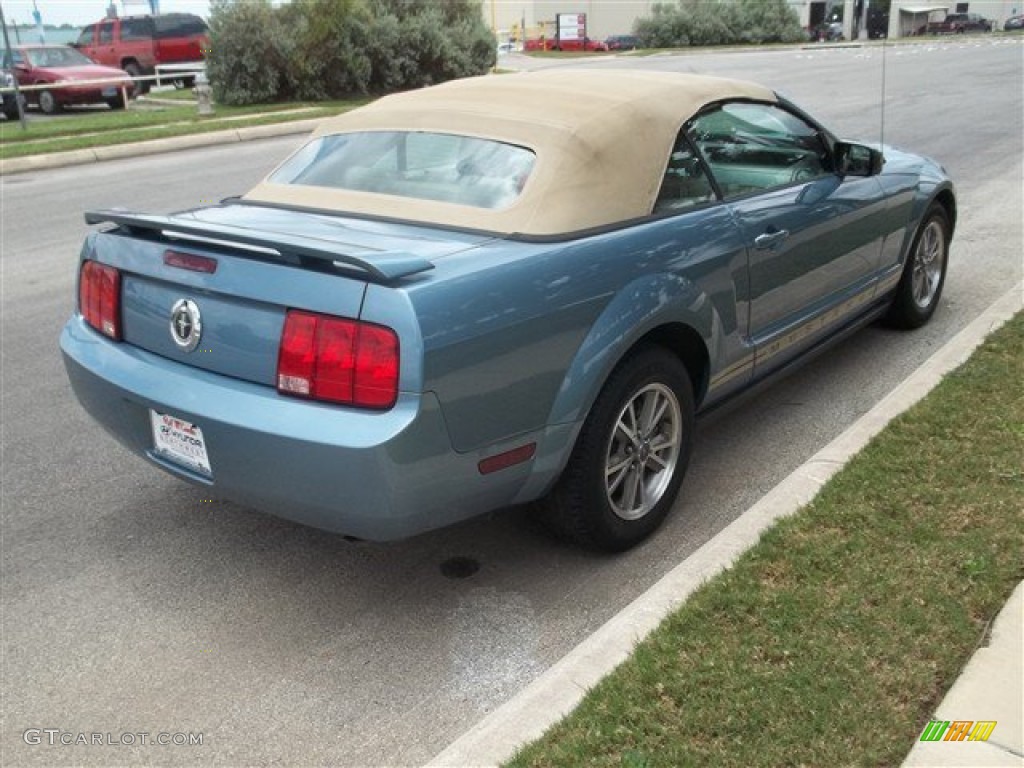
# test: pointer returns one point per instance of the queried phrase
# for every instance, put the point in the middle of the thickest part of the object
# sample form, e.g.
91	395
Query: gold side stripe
812	326
736	369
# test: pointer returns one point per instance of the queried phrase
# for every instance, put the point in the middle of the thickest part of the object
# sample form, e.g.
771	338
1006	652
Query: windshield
429	166
56	57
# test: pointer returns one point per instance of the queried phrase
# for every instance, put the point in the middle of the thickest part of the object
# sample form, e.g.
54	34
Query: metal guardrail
182	70
69	84
165	73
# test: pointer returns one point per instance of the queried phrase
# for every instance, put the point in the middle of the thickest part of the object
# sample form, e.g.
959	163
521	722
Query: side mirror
857	160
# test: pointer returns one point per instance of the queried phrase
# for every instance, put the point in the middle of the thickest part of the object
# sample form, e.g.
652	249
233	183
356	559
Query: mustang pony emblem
186	324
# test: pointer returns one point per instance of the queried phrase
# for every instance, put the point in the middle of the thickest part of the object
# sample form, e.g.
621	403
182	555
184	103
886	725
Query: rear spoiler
382	266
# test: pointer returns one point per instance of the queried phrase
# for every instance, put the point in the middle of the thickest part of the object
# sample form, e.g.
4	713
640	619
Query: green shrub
329	49
244	64
718	22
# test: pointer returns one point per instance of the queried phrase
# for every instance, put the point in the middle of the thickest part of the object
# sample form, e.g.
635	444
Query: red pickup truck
138	44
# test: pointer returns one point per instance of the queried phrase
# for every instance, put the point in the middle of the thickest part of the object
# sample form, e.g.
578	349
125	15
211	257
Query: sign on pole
570	27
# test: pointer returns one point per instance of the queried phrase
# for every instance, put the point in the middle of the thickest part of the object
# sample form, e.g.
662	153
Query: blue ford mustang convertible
495	291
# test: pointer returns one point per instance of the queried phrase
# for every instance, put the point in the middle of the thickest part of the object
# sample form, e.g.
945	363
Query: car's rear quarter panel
519	336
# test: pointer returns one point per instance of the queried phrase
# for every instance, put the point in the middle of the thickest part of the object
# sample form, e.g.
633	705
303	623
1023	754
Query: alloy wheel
643	451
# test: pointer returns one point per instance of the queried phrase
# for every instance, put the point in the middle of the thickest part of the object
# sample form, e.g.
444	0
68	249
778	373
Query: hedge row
719	22
328	49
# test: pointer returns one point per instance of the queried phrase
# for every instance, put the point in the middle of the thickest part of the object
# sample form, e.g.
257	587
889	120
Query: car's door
813	238
105	52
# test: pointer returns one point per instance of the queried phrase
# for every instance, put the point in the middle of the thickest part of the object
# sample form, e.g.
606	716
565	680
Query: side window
85	38
106	32
136	29
179	25
754	147
685	183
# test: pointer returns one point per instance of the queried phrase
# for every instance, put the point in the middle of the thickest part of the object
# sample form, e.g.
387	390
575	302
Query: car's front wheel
630	456
133	69
924	274
117	102
48	103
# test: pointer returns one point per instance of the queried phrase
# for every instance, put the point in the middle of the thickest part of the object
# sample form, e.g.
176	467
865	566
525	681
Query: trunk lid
265	261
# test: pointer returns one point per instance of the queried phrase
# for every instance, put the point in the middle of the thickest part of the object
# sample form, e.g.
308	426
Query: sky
81	12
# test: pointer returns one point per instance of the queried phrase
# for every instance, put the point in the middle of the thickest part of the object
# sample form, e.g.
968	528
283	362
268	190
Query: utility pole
17	90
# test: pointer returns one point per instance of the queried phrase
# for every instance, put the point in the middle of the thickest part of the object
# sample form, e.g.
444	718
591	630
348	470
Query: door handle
770	239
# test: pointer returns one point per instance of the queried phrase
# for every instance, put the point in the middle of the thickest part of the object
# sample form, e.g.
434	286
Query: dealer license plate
179	441
109	92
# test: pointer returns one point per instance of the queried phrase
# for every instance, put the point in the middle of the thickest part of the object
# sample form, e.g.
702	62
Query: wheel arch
929	193
947	200
684	342
663	309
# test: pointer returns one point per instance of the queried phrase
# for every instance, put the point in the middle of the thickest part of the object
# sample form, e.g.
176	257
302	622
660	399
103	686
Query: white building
906	16
616	17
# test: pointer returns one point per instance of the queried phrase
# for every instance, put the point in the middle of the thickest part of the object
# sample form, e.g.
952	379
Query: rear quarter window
179	26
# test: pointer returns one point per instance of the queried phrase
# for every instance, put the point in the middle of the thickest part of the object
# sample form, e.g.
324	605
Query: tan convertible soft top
602	140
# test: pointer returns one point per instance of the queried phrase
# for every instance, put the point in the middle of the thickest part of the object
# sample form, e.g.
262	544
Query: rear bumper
371	475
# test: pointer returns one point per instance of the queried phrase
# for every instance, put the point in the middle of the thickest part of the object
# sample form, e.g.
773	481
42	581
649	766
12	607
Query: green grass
144	122
832	640
178	94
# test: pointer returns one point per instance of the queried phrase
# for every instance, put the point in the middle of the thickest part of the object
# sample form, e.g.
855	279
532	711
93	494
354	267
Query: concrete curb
155	146
557	691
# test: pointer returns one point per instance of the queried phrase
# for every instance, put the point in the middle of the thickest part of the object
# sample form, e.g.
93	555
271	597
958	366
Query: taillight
339	360
99	298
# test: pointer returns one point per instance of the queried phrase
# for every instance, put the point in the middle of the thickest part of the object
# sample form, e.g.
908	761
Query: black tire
585	506
117	102
924	273
11	109
133	69
48	103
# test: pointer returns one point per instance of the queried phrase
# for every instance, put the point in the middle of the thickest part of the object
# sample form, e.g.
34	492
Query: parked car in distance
554	44
622	42
958	23
9	98
1013	24
72	78
413	319
586	44
138	44
829	31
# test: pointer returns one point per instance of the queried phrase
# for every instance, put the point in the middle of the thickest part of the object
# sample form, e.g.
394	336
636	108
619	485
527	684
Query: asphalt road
133	605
